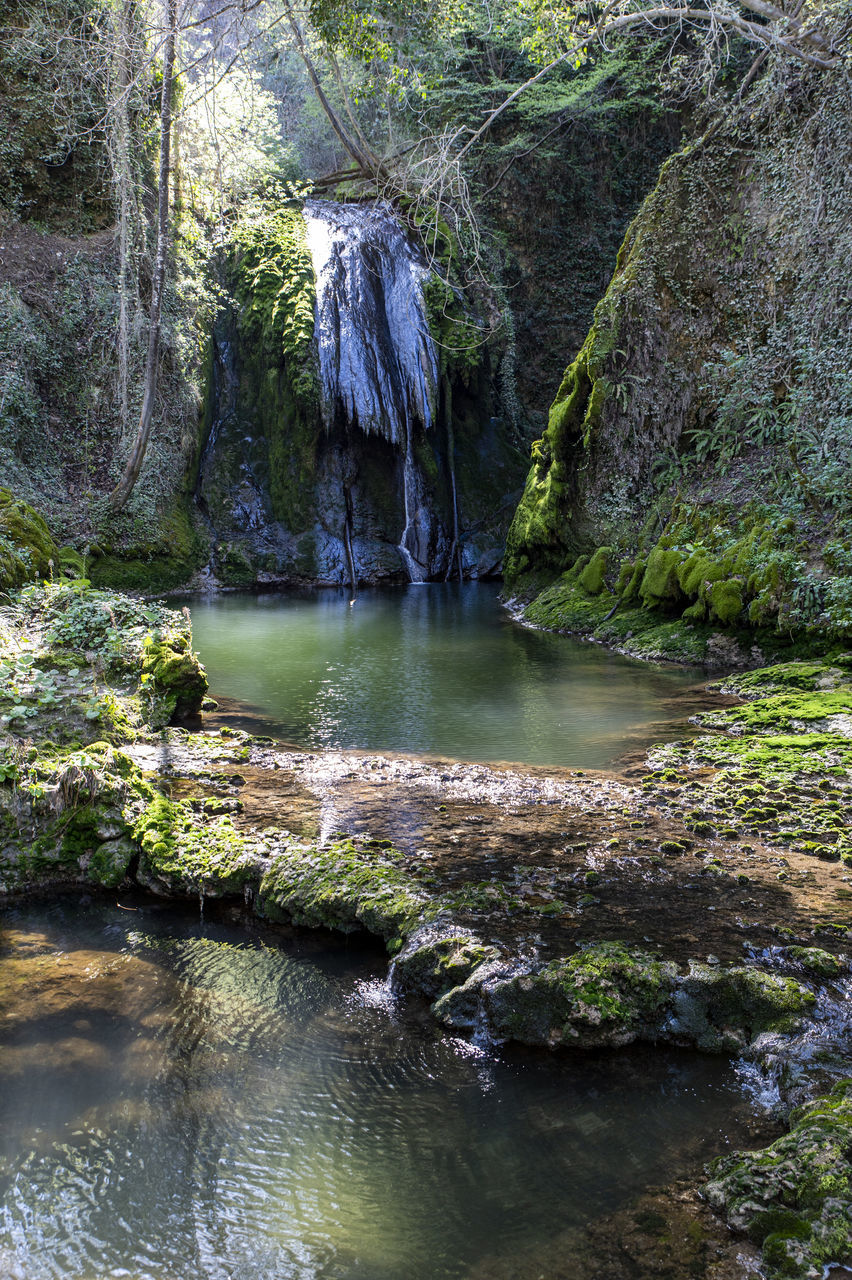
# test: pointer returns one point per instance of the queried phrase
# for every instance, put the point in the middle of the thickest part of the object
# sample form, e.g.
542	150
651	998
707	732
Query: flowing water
184	1100
439	669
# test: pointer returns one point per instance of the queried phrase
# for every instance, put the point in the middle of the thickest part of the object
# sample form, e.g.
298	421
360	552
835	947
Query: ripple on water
238	1108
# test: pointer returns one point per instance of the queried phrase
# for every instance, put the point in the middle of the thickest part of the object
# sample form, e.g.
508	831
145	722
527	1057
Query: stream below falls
186	1099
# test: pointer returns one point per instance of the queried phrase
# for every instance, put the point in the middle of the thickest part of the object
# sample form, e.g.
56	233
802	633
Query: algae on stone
795	1197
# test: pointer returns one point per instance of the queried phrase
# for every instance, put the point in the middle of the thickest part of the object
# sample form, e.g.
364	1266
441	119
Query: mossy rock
184	852
176	678
721	1010
606	994
109	865
344	886
432	965
592	577
660	583
795	1197
27	548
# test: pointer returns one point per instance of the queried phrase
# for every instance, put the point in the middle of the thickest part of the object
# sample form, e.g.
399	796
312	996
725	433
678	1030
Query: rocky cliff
695	456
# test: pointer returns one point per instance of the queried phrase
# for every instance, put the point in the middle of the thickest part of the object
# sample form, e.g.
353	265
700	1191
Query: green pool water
184	1100
440	669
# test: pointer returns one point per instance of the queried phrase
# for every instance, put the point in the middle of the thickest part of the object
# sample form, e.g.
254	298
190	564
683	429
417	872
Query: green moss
343	886
785	712
605	994
660	583
456	333
822	964
592	577
166	558
110	863
796	1196
275	285
186	852
725	600
541	533
174	676
432	966
27	549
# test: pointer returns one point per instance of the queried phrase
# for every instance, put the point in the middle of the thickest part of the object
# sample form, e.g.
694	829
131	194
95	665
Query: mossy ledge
794	1198
687	455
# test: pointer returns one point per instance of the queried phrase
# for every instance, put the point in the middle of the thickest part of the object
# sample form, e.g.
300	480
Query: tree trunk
349	143
124	488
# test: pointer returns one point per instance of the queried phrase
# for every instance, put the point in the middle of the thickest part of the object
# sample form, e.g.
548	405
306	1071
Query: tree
124	488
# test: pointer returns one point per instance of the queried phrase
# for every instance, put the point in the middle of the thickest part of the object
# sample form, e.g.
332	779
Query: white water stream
377	361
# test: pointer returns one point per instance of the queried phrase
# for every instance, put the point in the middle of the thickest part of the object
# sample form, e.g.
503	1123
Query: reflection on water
184	1101
440	668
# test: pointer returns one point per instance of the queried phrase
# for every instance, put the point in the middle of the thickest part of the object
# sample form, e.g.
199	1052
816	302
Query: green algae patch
786	712
346	886
607	994
185	852
795	1197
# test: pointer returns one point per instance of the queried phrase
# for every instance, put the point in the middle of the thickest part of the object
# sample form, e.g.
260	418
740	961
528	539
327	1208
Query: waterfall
377	361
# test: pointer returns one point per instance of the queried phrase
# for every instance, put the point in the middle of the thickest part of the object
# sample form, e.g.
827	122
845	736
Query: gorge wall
695	454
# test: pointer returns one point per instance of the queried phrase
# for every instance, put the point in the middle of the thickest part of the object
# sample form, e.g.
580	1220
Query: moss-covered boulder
67	817
721	1010
435	960
606	994
795	1198
27	548
184	852
173	674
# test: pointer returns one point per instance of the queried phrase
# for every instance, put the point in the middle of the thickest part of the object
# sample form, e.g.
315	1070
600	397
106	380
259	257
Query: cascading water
377	361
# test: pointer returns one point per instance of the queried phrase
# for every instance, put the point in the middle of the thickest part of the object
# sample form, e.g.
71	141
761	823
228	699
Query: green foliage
52	152
456	332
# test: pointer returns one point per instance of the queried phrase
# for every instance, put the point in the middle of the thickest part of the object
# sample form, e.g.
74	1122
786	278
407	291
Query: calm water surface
439	669
182	1100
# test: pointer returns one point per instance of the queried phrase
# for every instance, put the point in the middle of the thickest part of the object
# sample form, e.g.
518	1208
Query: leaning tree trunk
124	488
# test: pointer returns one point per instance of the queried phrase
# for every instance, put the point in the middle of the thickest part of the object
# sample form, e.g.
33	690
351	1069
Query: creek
440	669
184	1099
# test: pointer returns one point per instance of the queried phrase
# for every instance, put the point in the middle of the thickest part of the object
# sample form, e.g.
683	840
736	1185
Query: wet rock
110	863
722	1010
795	1197
177	679
437	959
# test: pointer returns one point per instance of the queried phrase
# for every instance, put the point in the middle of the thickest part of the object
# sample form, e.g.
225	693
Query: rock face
700	434
357	453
